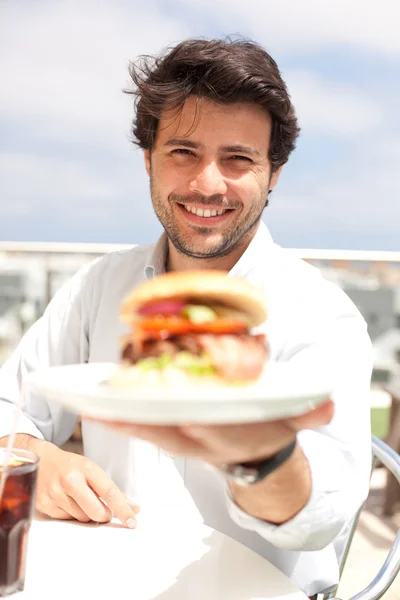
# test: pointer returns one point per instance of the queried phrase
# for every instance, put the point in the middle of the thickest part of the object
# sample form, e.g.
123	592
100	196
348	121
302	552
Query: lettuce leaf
197	313
196	365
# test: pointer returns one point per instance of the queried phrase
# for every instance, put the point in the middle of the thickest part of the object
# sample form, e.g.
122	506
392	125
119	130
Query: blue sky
69	173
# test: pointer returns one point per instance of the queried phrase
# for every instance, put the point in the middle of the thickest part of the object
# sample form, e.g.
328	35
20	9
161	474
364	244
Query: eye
239	157
182	152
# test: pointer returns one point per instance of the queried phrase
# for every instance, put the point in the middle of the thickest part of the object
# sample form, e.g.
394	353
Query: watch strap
250	473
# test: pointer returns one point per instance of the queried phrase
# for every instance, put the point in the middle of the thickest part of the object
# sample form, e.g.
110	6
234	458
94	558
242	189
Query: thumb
322	415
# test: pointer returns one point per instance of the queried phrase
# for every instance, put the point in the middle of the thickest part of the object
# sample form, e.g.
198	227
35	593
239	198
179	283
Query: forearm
282	495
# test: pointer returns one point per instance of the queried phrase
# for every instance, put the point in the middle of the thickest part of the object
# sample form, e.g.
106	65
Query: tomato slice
220	326
171	324
178	326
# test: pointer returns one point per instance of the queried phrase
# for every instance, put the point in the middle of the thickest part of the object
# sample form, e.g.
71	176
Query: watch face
240	474
248	473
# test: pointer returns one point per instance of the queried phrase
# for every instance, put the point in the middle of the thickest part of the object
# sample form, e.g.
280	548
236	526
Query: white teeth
204	213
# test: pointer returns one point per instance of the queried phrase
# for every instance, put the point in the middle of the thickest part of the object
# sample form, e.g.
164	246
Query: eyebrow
240	148
183	142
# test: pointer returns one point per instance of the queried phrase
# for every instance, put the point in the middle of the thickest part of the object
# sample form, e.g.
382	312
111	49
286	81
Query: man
216	125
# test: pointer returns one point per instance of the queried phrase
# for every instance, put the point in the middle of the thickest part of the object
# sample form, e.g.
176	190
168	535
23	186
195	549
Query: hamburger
192	326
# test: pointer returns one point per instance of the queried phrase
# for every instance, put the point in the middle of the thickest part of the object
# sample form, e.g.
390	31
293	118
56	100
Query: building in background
377	306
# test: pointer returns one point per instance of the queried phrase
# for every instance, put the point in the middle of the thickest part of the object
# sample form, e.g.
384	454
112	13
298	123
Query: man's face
210	175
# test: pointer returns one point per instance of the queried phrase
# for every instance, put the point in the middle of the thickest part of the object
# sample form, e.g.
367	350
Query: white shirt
310	321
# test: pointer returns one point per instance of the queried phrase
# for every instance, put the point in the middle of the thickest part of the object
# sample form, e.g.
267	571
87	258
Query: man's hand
277	498
71	486
218	444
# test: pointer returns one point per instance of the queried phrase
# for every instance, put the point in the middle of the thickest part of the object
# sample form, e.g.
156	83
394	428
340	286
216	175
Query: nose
208	180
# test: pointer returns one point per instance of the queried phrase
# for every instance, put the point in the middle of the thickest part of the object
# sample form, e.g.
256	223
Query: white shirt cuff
328	508
24	425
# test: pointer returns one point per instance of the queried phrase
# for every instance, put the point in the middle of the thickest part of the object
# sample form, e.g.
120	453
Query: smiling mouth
206	212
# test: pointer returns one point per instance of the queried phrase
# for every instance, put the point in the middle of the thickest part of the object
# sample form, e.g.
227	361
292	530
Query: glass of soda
16	509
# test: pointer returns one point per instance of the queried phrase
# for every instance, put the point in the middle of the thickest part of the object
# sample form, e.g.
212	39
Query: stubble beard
233	238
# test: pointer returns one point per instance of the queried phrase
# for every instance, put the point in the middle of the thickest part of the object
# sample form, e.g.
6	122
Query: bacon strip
235	357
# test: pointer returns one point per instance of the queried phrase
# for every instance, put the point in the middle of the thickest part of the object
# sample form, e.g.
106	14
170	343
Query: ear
147	161
274	178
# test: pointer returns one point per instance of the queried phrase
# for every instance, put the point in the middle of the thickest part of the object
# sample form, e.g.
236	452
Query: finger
135	507
121	427
171	439
58	513
59	498
106	489
241	443
46	504
76	486
71	507
322	415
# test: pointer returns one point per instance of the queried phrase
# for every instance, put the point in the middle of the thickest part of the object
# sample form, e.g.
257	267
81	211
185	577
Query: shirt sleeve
59	337
339	454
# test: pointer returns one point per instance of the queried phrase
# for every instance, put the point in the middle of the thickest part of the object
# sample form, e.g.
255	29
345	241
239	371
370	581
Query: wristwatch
249	473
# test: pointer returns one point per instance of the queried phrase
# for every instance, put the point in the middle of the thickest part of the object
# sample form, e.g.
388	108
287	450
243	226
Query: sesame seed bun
202	286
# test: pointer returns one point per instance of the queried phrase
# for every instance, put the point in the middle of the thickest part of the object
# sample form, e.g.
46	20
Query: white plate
283	390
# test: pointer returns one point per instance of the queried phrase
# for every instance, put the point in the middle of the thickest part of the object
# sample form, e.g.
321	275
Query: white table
157	561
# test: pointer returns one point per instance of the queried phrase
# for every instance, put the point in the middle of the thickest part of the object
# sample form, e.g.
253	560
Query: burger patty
233	356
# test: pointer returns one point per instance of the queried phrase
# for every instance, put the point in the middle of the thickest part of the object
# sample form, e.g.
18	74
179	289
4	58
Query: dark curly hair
224	71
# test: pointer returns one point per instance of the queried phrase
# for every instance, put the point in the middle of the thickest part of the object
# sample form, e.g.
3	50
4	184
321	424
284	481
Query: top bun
203	286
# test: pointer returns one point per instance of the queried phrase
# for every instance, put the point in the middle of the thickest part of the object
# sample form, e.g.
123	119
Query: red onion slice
163	307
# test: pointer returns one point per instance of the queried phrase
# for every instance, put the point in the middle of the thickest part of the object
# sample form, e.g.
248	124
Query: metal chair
391	567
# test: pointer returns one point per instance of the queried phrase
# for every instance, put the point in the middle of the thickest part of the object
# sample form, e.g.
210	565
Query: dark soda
16	509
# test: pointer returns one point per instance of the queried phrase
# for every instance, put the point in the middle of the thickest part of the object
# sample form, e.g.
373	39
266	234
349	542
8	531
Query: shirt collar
253	260
157	258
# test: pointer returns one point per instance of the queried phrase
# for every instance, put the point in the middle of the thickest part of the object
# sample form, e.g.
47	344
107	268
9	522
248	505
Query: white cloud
29	183
387	151
323	107
300	25
87	203
42	184
64	64
361	196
